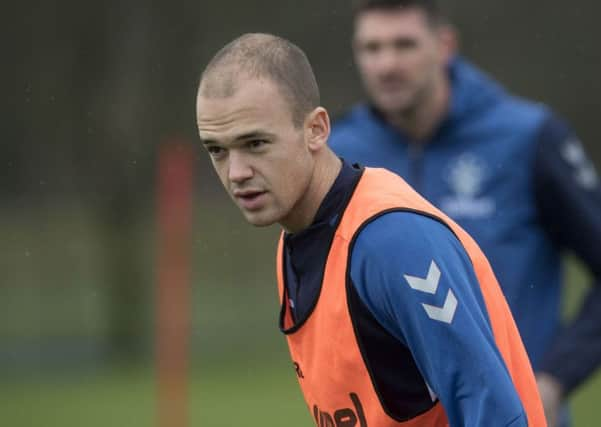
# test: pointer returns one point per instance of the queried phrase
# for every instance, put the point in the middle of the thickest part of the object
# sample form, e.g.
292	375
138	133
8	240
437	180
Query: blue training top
415	358
516	178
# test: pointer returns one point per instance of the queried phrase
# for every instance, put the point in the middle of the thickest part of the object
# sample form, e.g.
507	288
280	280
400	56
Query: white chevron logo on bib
429	284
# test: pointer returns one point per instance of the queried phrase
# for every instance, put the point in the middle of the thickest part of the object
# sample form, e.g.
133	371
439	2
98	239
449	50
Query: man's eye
372	47
214	150
257	143
405	44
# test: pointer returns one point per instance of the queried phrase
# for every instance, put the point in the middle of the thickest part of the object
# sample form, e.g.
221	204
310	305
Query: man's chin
258	220
392	106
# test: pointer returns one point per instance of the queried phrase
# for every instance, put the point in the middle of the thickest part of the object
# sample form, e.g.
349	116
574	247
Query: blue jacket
516	178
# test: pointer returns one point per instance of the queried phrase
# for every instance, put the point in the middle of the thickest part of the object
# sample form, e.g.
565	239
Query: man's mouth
250	199
392	84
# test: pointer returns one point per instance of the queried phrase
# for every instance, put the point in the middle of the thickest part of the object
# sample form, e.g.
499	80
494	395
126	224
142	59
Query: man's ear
448	41
317	128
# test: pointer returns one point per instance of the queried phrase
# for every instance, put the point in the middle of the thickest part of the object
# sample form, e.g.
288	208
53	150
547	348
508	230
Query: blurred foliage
94	87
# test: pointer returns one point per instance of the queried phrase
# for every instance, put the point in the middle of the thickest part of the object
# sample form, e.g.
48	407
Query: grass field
240	371
220	396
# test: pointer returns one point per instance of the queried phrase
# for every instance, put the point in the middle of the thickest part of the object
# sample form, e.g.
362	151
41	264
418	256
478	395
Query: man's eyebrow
243	137
207	141
254	135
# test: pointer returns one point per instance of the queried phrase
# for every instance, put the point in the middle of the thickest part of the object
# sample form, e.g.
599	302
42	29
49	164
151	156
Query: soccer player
509	171
392	314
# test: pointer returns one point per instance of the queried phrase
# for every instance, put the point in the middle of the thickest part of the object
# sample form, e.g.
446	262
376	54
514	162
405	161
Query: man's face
399	55
261	158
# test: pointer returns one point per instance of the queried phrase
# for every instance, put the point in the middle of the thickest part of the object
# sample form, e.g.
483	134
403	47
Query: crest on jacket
465	176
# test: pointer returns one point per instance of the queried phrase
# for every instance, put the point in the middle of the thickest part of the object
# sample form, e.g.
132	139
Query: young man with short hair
392	314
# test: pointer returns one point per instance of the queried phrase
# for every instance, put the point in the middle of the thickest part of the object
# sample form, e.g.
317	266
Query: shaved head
263	56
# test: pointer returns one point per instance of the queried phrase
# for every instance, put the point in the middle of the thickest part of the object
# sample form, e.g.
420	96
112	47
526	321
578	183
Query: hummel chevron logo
444	313
429	285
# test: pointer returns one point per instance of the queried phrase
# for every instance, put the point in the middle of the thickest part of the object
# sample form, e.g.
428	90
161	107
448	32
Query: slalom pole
173	293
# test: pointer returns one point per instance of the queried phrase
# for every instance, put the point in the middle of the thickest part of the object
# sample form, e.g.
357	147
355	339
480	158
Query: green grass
223	396
54	292
585	403
220	395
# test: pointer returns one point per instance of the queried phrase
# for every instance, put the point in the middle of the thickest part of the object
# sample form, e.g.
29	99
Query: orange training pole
175	184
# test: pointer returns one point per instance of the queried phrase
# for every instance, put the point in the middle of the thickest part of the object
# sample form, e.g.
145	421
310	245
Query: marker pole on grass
175	185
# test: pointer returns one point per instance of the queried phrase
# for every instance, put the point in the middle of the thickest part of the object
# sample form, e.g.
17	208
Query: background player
509	171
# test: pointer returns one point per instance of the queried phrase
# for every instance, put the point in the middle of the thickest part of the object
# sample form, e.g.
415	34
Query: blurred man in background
507	170
391	311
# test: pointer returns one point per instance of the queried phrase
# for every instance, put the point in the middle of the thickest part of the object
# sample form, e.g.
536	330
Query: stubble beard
406	113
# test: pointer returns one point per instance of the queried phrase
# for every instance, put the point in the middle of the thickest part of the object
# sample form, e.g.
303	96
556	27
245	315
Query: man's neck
325	173
422	121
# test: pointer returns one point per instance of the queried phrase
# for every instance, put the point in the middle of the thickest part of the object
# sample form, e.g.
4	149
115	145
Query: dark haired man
392	314
508	171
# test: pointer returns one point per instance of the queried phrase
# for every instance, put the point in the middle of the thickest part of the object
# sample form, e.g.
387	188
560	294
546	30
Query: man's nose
239	168
387	60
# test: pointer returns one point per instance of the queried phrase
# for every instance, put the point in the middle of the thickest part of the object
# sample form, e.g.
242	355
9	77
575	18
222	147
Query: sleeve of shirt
416	279
568	195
